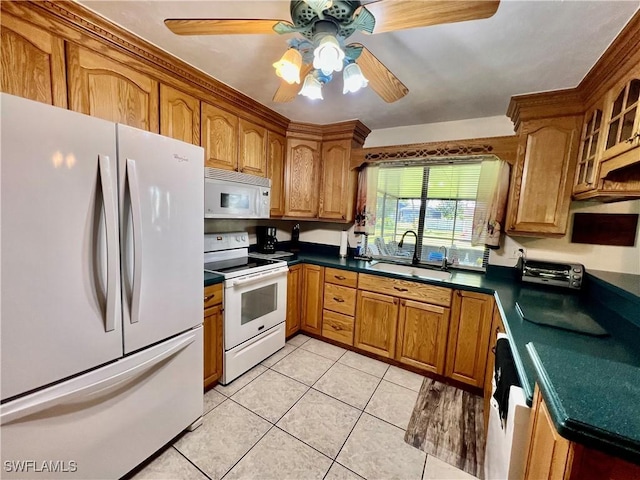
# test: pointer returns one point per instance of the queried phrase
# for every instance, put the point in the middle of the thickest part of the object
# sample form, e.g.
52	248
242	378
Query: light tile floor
311	410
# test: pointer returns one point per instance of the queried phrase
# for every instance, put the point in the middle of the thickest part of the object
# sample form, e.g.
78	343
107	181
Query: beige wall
593	257
435	132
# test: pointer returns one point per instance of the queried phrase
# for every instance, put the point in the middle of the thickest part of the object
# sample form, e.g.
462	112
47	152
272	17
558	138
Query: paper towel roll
343	244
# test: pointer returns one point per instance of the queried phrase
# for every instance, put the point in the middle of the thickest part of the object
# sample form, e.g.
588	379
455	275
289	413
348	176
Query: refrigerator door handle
136	214
77	390
111	227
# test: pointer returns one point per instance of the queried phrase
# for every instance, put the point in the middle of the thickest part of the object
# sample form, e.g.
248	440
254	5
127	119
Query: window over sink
435	199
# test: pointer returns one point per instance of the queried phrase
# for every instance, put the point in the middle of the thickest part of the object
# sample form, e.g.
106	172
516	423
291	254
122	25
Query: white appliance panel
243	357
60	270
162	191
253	304
124	411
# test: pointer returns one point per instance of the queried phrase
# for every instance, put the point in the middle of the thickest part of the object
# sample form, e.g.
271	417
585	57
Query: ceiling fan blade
381	80
231	26
399	15
287	92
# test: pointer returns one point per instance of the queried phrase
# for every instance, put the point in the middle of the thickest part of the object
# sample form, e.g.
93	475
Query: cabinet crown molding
533	106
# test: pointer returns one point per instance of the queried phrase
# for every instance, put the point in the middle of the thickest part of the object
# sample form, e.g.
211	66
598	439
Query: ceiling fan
324	25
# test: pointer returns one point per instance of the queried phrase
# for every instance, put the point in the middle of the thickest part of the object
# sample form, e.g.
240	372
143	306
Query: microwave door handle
258	200
259	278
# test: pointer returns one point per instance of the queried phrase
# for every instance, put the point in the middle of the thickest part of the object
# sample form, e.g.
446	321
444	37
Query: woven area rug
448	423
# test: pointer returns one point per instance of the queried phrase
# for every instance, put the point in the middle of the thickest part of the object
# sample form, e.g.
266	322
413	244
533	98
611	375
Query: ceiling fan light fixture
353	79
328	56
311	88
288	67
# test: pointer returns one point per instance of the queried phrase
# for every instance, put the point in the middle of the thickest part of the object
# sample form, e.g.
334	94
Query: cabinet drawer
212	295
340	299
404	289
341	277
337	327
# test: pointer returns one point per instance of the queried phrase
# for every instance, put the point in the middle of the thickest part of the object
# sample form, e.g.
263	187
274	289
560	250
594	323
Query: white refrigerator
101	292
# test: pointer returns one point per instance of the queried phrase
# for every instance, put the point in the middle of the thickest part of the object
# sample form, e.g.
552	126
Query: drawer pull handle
336	327
209	297
340	277
401	289
338	299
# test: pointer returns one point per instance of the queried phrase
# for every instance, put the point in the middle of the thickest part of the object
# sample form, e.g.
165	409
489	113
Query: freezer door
102	424
60	271
162	231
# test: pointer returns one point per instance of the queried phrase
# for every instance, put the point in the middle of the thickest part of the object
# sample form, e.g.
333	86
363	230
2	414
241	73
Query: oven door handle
260	277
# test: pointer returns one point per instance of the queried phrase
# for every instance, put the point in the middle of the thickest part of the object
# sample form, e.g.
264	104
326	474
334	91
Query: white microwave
235	195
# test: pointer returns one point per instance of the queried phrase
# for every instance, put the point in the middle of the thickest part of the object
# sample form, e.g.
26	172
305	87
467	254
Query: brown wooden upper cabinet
33	62
542	178
104	88
587	168
301	178
253	149
622	126
219	138
338	183
179	115
276	148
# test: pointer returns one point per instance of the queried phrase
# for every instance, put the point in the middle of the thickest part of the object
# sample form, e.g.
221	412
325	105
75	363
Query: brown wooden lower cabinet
338	327
213	348
376	323
422	335
293	300
312	296
550	456
469	337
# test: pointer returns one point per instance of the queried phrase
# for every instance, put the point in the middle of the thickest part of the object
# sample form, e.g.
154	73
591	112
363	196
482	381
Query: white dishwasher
505	452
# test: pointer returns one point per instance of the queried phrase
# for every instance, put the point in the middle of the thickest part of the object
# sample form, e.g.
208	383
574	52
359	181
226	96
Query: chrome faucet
415	259
445	261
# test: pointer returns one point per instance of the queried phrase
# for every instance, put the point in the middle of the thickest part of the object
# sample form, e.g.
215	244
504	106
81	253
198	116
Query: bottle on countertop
295	238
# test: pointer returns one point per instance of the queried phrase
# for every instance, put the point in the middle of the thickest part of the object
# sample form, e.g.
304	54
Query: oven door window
259	302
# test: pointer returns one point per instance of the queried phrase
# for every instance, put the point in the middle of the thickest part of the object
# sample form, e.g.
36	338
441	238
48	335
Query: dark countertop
212	279
580	375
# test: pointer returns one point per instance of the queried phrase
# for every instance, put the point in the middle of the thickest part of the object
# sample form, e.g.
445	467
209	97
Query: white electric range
255	301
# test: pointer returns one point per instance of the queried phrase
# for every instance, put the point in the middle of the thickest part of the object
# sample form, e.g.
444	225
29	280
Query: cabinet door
586	170
293	299
497	326
179	115
312	288
301	178
542	179
104	88
219	138
337	182
276	145
212	345
376	323
622	112
33	63
549	455
469	337
422	335
253	149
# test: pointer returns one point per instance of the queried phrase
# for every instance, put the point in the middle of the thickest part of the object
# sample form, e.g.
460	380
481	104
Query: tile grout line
188	460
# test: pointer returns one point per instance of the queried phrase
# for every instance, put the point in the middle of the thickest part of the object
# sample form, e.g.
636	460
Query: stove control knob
243	238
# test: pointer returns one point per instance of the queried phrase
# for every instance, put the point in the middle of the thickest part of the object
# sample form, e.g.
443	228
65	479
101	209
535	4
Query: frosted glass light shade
328	56
353	78
311	88
288	67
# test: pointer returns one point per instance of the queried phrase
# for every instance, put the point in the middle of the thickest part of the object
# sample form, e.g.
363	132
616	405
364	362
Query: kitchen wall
593	257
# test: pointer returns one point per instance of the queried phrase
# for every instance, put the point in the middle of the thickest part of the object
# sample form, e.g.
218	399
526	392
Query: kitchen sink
411	270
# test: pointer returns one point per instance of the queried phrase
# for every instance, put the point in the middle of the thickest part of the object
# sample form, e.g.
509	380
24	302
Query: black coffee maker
266	239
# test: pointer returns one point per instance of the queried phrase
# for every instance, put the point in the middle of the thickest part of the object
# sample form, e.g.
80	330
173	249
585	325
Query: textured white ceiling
455	71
